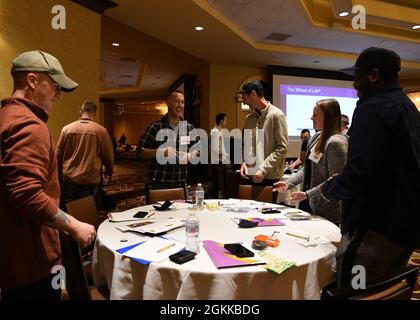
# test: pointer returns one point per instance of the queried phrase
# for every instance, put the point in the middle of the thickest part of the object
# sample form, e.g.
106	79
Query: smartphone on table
164	206
238	250
141	214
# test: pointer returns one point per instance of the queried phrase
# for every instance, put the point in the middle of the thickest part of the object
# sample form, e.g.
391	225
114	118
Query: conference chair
159	192
84	209
399	287
76	283
257	192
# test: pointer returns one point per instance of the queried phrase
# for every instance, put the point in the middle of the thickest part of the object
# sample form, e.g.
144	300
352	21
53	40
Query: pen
151	215
297	236
165	248
293	212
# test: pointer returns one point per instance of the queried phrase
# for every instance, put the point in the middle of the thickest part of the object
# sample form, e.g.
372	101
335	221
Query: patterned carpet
127	190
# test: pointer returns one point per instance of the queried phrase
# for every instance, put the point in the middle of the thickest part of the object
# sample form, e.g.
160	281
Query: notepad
151	227
222	258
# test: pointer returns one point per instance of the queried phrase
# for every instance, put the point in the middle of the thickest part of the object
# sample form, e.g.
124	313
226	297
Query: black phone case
238	250
268	211
141	214
164	206
182	257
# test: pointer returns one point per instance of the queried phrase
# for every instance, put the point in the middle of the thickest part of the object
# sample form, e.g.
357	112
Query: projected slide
298	101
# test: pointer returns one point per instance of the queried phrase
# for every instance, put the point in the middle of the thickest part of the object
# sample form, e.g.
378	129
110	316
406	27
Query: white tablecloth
200	279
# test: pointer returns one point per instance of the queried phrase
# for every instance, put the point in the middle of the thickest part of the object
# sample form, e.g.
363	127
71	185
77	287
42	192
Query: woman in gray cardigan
326	155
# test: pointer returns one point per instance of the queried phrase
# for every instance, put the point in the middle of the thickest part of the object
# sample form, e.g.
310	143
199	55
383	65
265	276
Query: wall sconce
121	108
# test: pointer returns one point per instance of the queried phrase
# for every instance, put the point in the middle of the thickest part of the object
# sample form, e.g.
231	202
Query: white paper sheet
149	250
126	215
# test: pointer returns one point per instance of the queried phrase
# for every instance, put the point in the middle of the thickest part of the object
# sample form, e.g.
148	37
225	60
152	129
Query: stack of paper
305	239
153	227
127	215
274	263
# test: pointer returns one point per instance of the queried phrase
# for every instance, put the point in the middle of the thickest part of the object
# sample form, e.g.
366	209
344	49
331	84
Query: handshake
180	156
296	196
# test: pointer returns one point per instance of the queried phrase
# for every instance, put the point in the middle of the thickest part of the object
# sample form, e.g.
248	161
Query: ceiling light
343	14
416	27
199	28
115	44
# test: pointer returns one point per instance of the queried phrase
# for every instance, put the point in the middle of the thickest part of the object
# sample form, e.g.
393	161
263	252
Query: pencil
151	215
165	248
297	236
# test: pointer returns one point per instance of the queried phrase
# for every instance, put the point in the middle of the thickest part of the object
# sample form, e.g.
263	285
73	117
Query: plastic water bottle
199	196
192	229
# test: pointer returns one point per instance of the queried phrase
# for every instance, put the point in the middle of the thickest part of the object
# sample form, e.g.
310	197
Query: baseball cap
38	61
252	85
386	61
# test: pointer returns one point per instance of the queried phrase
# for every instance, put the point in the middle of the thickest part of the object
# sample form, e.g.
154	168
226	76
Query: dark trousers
72	191
40	290
380	257
213	193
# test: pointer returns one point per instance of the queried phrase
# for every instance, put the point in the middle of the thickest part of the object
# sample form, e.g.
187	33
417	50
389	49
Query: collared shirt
167	172
29	194
83	147
218	147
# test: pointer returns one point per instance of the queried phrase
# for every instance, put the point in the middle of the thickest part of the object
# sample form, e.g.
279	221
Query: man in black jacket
379	184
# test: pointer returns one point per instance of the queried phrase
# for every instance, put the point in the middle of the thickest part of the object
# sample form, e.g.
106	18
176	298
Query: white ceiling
235	32
260	18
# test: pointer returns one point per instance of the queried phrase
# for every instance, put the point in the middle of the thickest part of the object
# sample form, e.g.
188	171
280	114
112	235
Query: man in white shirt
219	156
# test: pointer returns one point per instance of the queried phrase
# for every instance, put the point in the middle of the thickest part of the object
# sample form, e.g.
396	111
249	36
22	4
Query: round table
199	278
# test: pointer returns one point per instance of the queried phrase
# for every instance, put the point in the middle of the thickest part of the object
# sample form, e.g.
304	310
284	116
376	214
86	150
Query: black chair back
399	287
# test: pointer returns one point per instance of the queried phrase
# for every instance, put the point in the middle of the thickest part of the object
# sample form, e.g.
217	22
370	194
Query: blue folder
125	249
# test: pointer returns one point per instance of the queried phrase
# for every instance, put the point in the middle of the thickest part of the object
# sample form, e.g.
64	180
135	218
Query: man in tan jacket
83	147
29	189
269	136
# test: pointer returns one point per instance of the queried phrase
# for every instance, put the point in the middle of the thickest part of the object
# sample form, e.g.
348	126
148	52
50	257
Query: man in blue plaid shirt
175	136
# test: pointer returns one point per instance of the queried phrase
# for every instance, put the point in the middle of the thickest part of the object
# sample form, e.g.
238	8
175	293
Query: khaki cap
38	61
